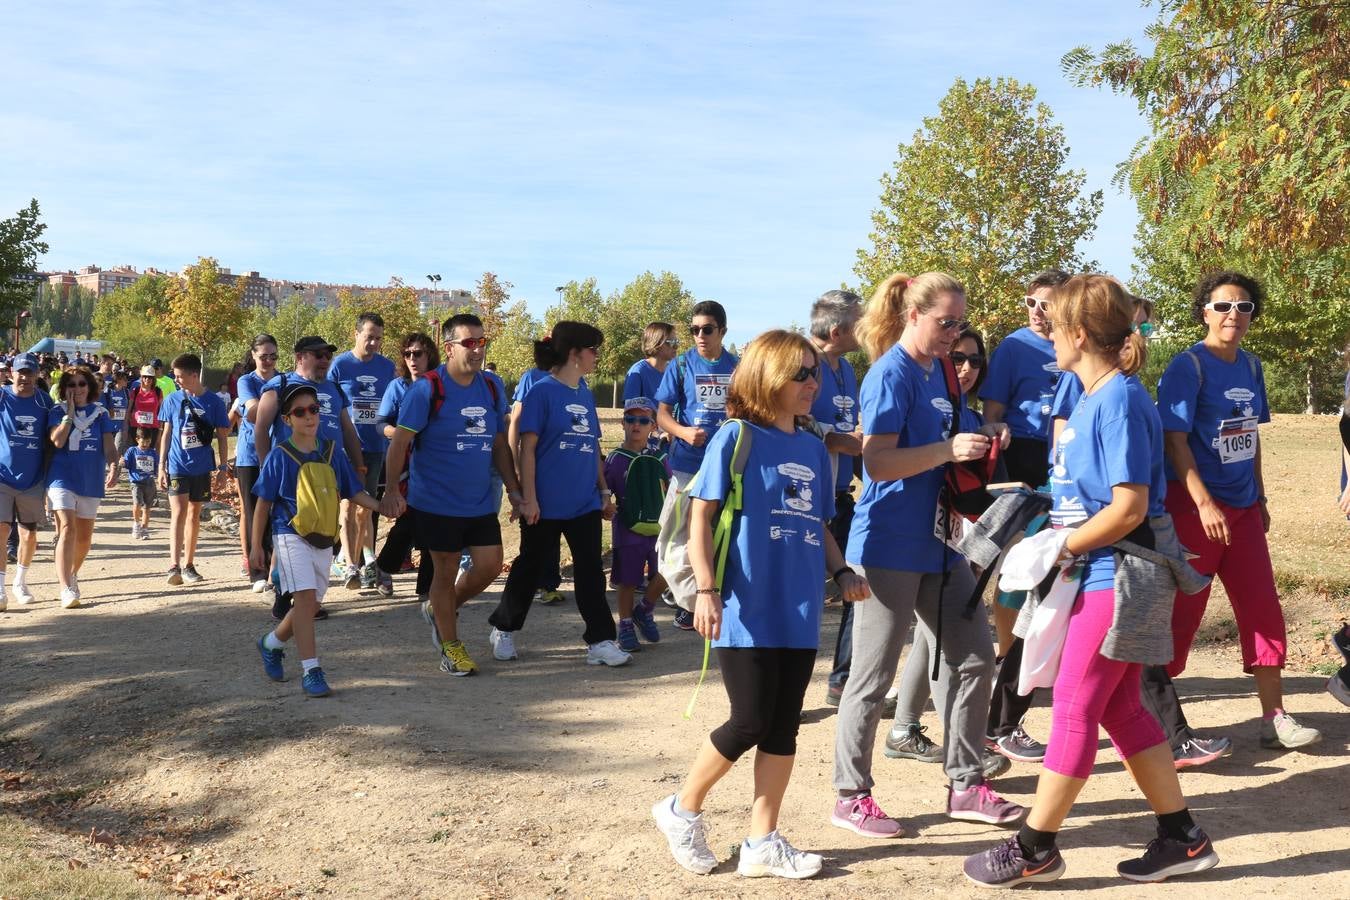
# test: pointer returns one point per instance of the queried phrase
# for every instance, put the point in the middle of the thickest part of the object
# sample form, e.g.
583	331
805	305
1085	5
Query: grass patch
33	868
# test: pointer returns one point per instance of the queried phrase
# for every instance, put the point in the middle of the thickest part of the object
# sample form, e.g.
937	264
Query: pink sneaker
862	816
981	804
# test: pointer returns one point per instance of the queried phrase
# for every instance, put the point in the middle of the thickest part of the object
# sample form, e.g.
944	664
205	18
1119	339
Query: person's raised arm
884	461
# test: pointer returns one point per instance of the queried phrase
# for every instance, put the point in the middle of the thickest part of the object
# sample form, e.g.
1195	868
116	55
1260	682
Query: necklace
1099	380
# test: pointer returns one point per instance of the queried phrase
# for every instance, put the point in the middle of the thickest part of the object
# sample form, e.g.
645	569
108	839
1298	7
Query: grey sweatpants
880	625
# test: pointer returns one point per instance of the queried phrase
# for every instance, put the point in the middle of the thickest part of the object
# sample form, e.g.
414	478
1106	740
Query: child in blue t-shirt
142	465
302	565
634	554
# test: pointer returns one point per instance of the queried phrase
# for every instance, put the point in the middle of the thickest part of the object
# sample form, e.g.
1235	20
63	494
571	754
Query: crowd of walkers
1125	508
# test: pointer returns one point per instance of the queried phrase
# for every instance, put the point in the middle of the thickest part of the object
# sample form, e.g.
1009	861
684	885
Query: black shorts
197	487
451	534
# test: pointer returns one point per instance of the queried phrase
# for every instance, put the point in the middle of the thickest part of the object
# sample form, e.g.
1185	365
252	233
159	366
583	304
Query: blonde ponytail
884	319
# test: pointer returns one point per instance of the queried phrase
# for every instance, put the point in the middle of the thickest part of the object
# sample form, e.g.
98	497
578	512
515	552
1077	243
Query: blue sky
736	144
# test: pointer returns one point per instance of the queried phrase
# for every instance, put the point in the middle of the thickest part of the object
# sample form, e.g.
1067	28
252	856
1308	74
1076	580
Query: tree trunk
1310	396
614	395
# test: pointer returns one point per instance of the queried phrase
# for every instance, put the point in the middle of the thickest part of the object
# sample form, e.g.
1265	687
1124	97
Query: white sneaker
135	531
688	843
607	653
503	645
260	585
4	604
70	598
777	857
23	595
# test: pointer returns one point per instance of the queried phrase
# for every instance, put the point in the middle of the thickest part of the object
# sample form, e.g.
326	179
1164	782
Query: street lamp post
18	329
560	288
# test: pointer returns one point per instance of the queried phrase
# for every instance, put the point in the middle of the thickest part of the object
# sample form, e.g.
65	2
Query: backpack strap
291	450
1199	369
740	456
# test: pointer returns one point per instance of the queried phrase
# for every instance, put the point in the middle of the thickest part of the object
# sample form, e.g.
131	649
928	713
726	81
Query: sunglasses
703	330
472	343
267	357
637	420
1041	303
951	324
805	372
671	342
320	354
1245	307
413	354
959	359
304	412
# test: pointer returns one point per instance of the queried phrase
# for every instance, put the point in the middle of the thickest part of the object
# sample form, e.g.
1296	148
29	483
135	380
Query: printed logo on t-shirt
367	385
474	419
581	422
797	492
811	538
325	405
26	426
1065	436
1242	401
944	406
843	413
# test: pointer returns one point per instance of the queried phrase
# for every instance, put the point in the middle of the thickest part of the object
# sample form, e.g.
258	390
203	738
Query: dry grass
41	865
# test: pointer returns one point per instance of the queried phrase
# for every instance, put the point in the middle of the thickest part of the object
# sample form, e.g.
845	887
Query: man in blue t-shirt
188	417
692	397
23	431
363	373
1019	389
455	424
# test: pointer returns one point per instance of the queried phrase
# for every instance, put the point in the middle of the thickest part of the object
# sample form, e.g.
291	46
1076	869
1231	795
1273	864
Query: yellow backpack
316	495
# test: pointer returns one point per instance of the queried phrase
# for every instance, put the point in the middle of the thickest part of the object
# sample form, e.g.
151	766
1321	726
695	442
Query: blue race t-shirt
392	401
836	409
364	384
1022	376
1219	417
696	391
566	457
277	479
188	455
80	471
1067	394
452	456
141	465
773	584
1112	437
250	387
895	522
332	401
23	432
115	401
642	380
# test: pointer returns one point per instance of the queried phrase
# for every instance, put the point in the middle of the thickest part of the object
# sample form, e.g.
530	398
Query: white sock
368	555
308	664
20	575
272	642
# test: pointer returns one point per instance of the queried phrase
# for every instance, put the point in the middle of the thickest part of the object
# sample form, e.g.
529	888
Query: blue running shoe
628	639
645	621
314	684
272	661
684	620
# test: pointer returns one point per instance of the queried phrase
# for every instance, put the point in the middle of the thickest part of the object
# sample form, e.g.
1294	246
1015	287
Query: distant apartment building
322	295
102	282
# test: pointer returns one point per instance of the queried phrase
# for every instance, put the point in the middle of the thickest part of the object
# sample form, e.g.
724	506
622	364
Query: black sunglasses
705	330
637	420
958	358
805	372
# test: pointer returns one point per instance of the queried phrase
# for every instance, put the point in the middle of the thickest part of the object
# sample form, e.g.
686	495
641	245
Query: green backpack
644	491
316	495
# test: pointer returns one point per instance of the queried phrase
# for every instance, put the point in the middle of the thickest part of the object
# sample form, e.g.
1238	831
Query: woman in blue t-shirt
1212	400
1107	482
562	478
764	616
419	355
261	363
82	432
909	437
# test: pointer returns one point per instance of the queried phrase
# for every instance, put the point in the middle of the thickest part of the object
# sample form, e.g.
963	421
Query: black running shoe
1342	641
684	620
1165	857
1004	866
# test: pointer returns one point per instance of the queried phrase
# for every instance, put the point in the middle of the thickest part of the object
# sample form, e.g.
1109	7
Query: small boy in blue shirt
142	465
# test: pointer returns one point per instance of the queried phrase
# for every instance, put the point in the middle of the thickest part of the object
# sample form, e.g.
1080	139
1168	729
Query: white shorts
303	567
84	507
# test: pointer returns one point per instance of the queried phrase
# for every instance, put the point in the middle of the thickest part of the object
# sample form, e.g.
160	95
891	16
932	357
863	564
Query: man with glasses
363	373
692	404
313	357
23	422
455	423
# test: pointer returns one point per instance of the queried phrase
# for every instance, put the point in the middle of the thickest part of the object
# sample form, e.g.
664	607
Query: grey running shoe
1004	866
191	575
909	742
1020	747
1166	857
1198	751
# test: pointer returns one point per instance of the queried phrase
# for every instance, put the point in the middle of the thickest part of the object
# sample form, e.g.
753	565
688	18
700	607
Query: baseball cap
147	371
639	403
313	342
295	390
25	361
156	363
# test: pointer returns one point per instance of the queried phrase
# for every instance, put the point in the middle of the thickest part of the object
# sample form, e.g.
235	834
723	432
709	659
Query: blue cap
24	361
638	403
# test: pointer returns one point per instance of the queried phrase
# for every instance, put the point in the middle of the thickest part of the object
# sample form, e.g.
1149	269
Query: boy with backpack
638	476
299	487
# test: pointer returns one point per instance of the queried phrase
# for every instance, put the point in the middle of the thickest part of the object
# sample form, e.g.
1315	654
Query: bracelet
707	591
512	495
841	571
1261	498
606	493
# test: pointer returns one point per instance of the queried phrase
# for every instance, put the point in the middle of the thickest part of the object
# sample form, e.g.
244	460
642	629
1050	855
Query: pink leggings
1092	691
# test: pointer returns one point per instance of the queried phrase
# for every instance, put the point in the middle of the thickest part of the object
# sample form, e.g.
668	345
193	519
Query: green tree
203	312
647	298
20	246
512	347
130	321
396	305
293	320
982	192
492	294
1247	165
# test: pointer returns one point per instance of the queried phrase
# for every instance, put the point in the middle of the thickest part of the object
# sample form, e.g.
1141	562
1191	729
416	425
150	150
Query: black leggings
766	686
247	476
538	548
398	543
